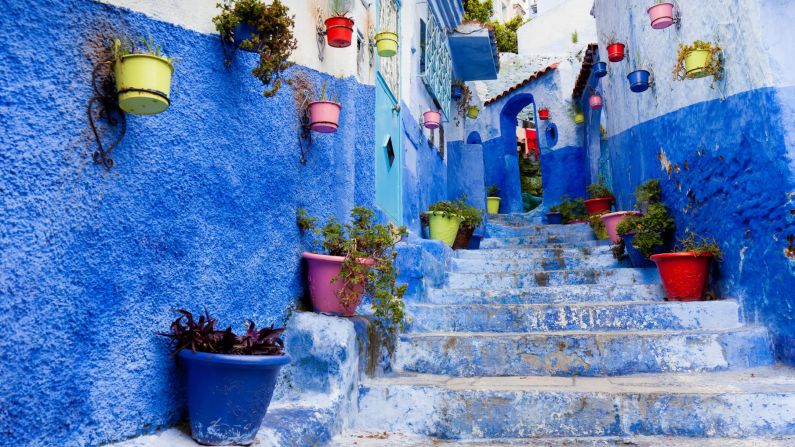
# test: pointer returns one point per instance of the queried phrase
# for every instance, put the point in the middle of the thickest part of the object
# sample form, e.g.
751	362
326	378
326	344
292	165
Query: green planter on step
443	226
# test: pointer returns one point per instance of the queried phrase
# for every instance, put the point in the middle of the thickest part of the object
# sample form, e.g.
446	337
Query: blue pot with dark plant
639	80
456	92
243	31
230	378
554	218
600	69
635	256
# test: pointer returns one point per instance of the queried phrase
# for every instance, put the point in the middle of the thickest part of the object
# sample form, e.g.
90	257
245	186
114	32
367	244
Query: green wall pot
143	83
493	204
444	227
696	62
473	112
386	43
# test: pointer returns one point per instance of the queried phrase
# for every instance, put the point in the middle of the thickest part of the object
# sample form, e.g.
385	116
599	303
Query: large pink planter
322	269
613	219
432	120
661	15
324	116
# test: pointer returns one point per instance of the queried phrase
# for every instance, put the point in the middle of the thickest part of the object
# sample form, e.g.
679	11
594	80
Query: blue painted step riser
533	253
500	230
446	413
531	265
547	295
517	242
588	354
715	315
551	278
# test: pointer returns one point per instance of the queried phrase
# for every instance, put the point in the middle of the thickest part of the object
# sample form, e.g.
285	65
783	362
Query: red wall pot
615	52
339	31
596	102
597	206
543	114
684	275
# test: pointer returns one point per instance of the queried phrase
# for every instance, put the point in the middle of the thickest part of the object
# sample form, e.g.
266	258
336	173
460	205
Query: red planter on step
615	52
598	206
339	31
684	275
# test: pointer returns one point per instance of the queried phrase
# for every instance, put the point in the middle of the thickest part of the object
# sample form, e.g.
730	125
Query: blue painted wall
199	211
563	174
726	175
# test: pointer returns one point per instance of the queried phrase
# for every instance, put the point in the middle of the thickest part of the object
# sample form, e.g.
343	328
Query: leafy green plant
362	239
599	191
463	103
304	220
713	67
648	192
699	245
598	226
493	191
650	229
571	210
530	176
446	208
201	335
471	216
273	39
505	33
575	37
122	46
327	94
478	10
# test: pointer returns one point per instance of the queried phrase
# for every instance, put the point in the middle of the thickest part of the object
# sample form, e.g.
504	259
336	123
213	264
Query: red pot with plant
543	114
600	199
685	273
339	31
615	52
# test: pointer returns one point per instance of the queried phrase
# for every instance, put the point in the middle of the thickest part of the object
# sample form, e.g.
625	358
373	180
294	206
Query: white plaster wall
550	33
734	24
197	15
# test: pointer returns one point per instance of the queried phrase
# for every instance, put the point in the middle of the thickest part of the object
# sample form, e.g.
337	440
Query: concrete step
399	439
510	280
586	293
494	229
582	353
534	242
534	252
710	315
733	404
494	265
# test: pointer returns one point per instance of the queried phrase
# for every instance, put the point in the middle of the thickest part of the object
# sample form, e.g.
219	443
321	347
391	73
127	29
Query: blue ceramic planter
228	395
600	69
554	218
639	80
456	92
636	257
242	32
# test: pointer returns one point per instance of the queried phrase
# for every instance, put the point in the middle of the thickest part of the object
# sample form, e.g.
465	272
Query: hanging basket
143	83
600	69
596	102
386	42
661	15
456	92
339	31
432	119
639	80
543	114
324	116
615	52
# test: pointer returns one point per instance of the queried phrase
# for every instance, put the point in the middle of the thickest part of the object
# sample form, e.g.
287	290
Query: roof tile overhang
591	54
521	84
473	48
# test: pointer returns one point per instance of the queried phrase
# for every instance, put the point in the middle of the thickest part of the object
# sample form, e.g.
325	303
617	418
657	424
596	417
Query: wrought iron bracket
320	34
304	132
104	106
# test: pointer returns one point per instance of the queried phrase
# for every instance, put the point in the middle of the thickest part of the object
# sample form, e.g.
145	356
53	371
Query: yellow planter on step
387	43
493	204
143	83
444	227
696	62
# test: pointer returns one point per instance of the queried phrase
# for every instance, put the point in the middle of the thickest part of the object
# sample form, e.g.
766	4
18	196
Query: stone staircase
541	338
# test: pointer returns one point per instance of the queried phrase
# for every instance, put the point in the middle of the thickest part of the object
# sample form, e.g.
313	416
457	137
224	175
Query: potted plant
647	193
698	60
267	30
143	76
339	27
543	114
572	211
595	101
600	199
230	378
473	112
432	119
386	43
471	218
324	114
646	234
661	14
554	217
575	113
357	258
639	79
685	272
444	220
457	90
493	199
599	69
612	220
615	51
598	226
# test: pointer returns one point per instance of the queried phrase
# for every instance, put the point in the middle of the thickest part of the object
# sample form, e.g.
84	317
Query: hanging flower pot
598	206
554	218
543	114
473	112
615	52
600	69
612	220
684	275
661	15
696	63
456	92
639	80
324	116
443	226
339	31
324	288
386	42
596	102
493	204
243	32
432	119
143	83
579	118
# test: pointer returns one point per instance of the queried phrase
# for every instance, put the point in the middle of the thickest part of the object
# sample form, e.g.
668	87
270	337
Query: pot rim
350	20
235	359
383	35
621	213
680	254
444	214
332	258
326	102
150	56
600	199
494	197
658	5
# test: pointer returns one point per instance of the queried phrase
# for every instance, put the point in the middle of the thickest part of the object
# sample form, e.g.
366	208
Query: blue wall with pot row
199	211
725	174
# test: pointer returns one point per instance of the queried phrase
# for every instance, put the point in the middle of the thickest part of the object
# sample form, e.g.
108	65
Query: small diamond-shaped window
390	153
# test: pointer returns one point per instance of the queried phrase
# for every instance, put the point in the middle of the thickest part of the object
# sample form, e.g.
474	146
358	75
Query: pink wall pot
321	270
661	15
613	219
431	119
324	116
596	102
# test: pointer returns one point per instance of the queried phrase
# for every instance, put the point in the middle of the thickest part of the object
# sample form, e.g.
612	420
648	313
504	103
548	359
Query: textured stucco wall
723	154
199	211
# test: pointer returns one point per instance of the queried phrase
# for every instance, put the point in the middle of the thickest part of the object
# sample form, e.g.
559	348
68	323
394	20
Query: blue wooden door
388	153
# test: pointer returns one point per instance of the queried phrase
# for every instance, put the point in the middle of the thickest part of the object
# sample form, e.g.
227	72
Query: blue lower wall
501	168
564	173
729	178
199	211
